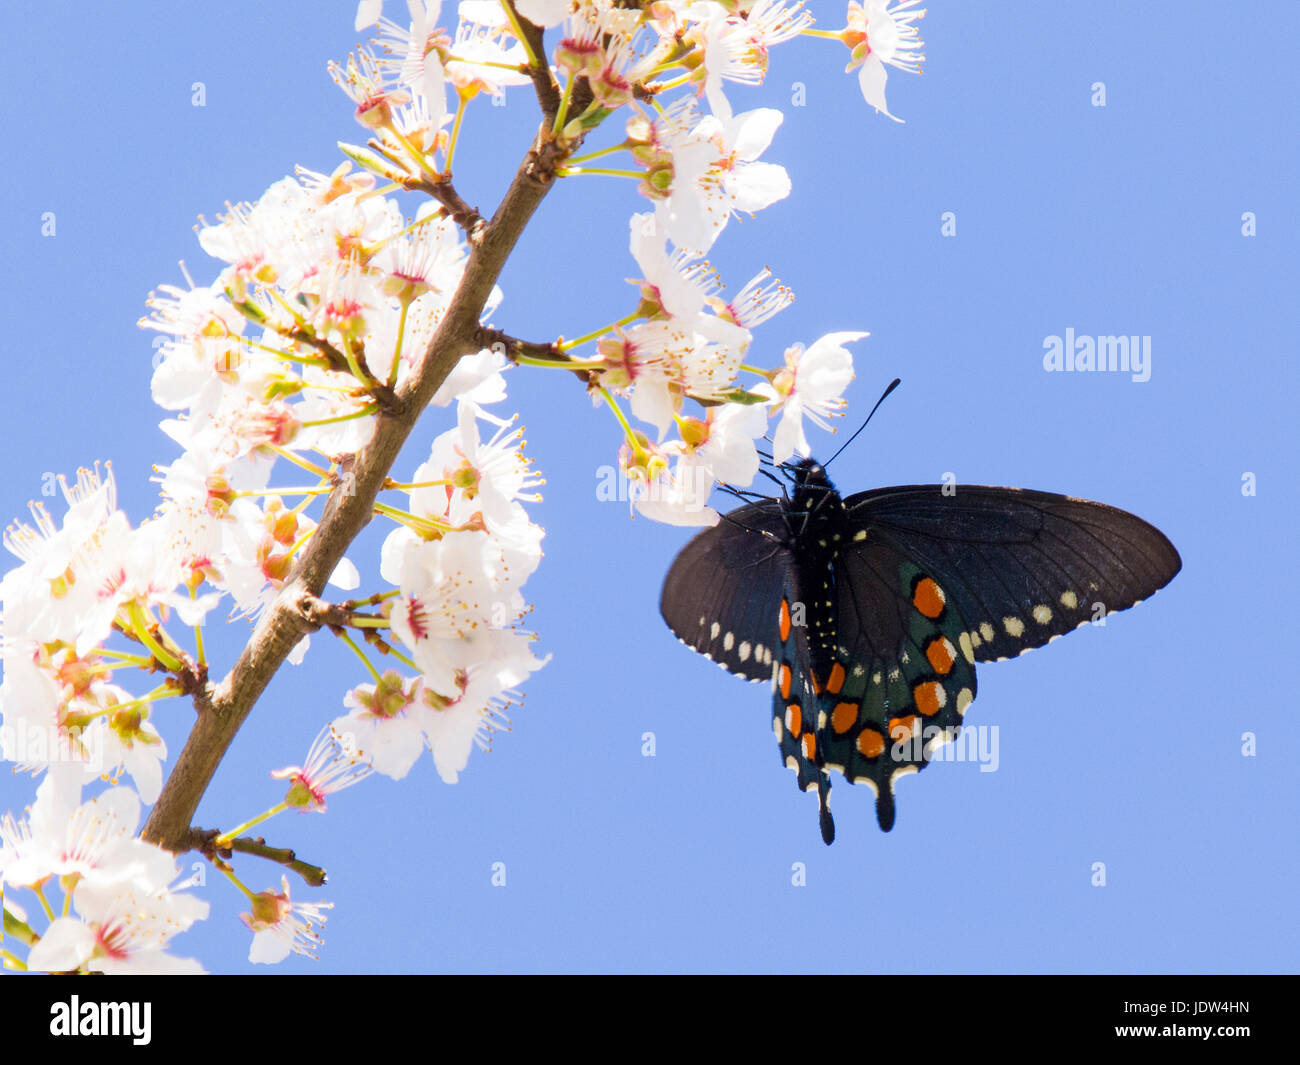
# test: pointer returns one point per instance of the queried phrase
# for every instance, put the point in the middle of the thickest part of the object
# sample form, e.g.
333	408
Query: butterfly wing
929	580
903	676
797	706
1020	567
723	592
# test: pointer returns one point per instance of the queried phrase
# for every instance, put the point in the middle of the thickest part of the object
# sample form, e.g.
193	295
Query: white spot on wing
967	649
901	771
938	740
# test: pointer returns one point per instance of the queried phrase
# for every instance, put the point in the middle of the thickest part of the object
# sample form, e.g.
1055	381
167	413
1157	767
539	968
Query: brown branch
312	874
283	624
470	221
544	84
513	347
387	399
203	840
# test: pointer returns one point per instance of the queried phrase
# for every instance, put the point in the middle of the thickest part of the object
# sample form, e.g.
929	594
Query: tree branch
347	512
204	841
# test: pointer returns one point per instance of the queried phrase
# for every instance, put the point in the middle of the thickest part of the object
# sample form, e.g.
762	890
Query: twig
202	840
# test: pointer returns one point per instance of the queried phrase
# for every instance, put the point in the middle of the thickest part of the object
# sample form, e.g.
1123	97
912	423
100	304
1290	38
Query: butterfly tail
885	806
824	802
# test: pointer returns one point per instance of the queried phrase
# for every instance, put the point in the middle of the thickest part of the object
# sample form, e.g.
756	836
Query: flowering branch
336	320
348	511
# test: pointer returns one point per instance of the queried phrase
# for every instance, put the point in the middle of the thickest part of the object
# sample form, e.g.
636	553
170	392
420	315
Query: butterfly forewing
1021	567
722	592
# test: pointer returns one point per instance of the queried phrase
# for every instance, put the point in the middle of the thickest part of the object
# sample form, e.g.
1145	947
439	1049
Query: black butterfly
868	614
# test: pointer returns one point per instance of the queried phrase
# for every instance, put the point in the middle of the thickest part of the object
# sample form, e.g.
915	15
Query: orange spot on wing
794	719
810	746
940	655
816	684
844	717
786	677
930	697
901	729
836	681
928	598
785	620
871	744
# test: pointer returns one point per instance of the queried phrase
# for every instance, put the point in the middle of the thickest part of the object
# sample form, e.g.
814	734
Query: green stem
301	462
404	487
558	364
45	903
562	114
355	367
342	635
395	653
618	413
397	348
569	345
230	874
574	171
454	138
140	628
290	490
598	153
405	517
200	654
225	837
125	657
533	60
676	82
487	62
363	412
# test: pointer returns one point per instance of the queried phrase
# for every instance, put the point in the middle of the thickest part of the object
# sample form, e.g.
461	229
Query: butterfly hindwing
904	673
796	706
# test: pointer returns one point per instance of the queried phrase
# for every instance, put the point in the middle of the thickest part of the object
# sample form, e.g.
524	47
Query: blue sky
1120	745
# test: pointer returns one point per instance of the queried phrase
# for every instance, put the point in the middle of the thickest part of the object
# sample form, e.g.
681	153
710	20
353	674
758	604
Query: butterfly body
868	614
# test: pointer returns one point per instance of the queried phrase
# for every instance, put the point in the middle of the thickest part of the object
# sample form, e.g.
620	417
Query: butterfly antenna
749	528
893	385
775	480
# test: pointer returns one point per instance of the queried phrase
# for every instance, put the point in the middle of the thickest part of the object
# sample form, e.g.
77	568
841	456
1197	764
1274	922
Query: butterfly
867	614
